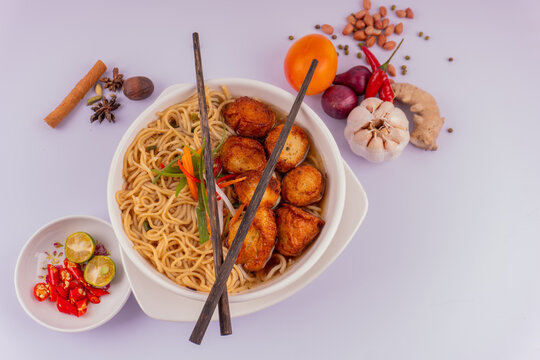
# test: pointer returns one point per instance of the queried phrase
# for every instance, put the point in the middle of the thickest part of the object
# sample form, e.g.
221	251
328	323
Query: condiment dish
46	246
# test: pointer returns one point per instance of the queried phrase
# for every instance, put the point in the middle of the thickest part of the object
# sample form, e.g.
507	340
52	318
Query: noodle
171	244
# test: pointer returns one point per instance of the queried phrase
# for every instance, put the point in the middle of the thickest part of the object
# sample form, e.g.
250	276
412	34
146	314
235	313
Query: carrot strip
226	177
230	182
208	225
187	173
237	214
188	164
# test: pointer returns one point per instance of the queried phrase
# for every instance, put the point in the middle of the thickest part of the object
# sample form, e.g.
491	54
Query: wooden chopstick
224	311
221	279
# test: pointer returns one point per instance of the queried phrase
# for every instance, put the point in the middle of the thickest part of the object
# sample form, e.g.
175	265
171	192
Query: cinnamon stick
75	95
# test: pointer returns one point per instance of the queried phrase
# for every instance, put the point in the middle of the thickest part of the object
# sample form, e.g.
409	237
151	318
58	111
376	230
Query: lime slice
99	271
79	247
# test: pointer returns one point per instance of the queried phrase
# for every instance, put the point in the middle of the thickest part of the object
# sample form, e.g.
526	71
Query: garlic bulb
377	130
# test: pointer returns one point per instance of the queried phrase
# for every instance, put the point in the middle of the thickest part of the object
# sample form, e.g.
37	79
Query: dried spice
104	109
115	83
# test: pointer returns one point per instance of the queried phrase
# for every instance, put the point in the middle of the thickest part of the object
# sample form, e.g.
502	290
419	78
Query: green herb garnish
217	150
167	169
181	184
146	225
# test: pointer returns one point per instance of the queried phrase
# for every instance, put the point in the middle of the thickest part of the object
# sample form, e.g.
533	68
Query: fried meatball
302	186
249	117
245	189
260	240
296	229
294	151
240	154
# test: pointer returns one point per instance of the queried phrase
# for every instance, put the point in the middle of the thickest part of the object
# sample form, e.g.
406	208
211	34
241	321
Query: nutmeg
138	88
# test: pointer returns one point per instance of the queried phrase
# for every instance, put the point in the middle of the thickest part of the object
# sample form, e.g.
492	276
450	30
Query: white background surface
445	265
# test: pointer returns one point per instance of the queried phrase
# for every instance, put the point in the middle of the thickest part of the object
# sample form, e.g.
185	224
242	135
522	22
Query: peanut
381	40
376	17
391	81
390	45
400	13
348	29
327	29
391	70
409	14
368	19
377	32
360	14
385	23
399	28
389	30
379	25
371	41
360	24
367	4
359	35
382	11
369	30
351	19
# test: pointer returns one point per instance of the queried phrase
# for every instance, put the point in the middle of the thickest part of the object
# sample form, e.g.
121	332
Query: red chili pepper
66	307
218	165
65	275
82	306
77	294
379	76
372	60
162	166
76	271
374	83
187	173
61	292
226	177
386	93
92	298
41	291
97	291
53	279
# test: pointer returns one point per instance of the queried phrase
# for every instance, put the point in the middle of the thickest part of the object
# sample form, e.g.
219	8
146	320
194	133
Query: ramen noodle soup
160	212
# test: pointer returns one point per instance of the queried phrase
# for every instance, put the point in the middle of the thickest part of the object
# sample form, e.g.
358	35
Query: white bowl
306	118
33	257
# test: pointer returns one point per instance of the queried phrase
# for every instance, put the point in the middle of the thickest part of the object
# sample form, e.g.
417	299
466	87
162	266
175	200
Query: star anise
104	109
115	83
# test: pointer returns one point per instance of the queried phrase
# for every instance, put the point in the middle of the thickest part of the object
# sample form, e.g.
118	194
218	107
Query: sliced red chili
41	291
82	306
53	275
75	270
61	292
92	298
226	177
65	275
77	294
96	291
218	165
187	173
66	307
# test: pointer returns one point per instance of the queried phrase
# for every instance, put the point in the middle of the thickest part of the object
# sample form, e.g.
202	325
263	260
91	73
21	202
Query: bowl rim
115	309
159	278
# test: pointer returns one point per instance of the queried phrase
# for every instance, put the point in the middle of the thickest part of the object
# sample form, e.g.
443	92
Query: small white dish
160	303
33	257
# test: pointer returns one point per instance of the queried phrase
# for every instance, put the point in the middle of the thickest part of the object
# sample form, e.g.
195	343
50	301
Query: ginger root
427	118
